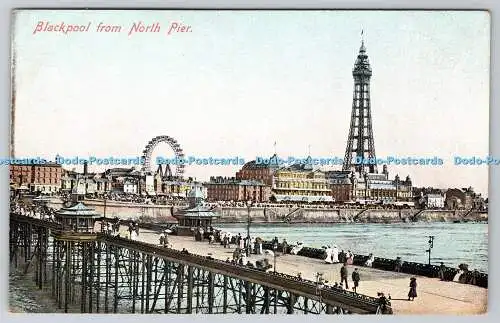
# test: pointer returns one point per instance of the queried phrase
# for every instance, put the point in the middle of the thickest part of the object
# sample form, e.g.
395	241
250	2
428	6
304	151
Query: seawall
130	211
304	215
164	213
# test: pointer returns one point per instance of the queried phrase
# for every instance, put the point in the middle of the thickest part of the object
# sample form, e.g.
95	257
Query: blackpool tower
360	150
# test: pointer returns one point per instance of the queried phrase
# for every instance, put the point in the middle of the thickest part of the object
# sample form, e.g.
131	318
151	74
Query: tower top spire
362	49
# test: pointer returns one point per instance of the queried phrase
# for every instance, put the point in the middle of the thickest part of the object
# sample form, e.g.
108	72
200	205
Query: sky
239	81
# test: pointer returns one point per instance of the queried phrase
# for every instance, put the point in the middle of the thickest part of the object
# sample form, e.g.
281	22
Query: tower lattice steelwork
360	143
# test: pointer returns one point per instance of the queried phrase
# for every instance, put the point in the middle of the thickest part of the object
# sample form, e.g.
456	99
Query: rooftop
198	211
78	209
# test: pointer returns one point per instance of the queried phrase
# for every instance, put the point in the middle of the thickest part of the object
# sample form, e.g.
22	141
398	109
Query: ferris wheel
174	145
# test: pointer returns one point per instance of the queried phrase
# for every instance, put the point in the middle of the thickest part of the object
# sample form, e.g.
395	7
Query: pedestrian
398	264
442	269
384	303
165	241
350	257
355	279
342	257
284	245
413	289
162	239
130	228
343	275
236	254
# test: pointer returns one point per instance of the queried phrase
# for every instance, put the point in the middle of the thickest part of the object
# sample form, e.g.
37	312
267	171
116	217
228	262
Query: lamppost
431	245
103	221
275	250
249	205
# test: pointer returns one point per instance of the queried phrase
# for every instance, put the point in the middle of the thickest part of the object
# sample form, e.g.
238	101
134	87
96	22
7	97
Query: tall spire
362	49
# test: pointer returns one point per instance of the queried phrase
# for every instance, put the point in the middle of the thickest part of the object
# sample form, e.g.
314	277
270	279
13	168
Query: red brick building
231	189
20	174
258	172
341	192
340	184
38	178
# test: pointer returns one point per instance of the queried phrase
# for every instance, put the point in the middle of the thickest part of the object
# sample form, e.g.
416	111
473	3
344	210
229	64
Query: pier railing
469	277
102	273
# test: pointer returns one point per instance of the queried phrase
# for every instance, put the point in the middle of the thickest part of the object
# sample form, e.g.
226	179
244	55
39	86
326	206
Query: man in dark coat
398	264
343	275
355	279
442	269
342	257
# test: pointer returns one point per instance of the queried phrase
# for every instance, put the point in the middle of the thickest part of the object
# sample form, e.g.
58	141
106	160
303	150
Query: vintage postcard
253	162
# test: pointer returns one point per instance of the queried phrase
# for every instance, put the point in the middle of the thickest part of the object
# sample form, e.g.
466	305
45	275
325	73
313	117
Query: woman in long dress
335	254
328	252
350	257
369	262
413	289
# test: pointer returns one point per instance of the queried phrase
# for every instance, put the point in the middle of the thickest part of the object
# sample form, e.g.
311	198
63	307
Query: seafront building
258	172
300	183
44	178
233	189
433	201
464	198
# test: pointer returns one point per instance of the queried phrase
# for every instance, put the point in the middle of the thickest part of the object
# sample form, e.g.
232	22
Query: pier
98	273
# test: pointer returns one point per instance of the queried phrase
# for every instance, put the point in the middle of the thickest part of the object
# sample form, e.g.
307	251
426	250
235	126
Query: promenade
434	296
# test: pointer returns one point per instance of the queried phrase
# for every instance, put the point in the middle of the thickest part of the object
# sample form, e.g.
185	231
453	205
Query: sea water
454	243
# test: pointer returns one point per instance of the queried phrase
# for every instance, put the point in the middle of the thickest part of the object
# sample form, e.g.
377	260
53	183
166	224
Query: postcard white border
494	181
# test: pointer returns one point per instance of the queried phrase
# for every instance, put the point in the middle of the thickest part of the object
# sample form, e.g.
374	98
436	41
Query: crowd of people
333	256
39	211
314	205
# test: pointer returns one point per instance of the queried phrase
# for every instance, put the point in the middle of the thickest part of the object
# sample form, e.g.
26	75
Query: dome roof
78	209
273	163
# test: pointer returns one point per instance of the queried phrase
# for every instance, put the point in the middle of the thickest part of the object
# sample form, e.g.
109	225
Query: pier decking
103	273
434	296
110	268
